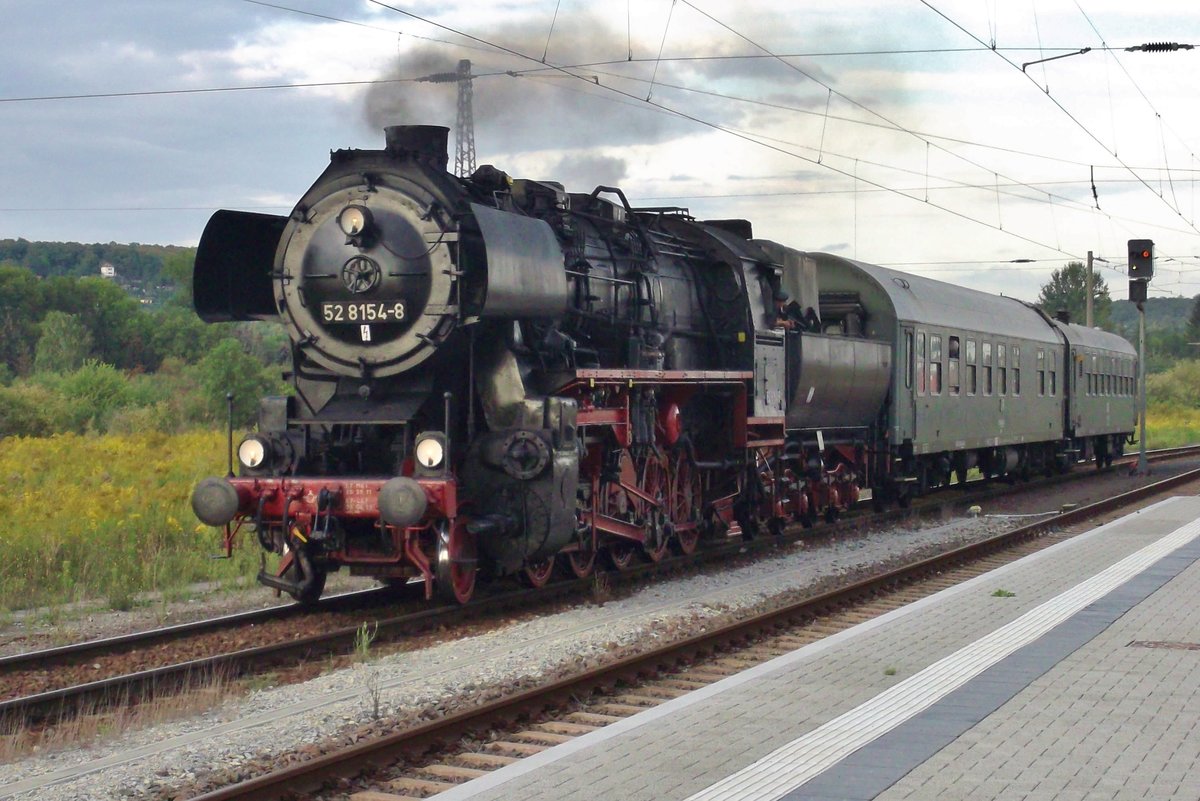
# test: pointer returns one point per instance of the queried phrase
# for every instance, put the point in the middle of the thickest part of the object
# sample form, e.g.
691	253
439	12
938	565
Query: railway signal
1141	270
1141	259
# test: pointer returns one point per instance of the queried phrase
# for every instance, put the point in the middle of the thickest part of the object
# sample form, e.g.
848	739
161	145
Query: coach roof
919	300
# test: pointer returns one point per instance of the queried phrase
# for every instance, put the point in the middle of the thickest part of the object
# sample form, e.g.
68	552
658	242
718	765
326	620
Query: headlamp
430	451
353	220
252	452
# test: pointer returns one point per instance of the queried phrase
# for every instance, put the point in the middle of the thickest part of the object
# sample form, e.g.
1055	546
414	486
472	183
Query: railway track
429	758
59	696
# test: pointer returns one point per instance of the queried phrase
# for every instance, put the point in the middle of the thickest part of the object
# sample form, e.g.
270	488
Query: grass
1169	426
107	517
105	719
363	637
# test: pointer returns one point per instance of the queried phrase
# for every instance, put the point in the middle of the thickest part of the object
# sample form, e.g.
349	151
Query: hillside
150	273
1162	314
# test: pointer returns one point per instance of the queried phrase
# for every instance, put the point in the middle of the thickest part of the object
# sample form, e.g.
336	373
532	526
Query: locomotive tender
494	376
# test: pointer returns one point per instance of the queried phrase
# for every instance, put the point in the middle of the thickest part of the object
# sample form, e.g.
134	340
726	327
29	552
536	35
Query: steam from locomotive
496	376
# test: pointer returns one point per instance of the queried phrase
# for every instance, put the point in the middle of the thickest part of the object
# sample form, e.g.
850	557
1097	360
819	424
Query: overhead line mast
464	127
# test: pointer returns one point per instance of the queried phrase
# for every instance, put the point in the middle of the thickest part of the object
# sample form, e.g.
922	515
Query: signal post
1141	269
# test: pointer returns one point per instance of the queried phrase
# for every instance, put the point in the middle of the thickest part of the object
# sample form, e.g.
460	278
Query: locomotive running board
619	528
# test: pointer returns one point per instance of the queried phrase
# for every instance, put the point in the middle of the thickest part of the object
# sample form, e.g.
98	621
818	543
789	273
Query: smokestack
425	143
1063	316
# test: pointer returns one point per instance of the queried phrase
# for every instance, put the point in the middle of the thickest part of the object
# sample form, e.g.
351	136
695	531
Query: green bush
28	410
92	393
1177	387
229	369
138	419
64	345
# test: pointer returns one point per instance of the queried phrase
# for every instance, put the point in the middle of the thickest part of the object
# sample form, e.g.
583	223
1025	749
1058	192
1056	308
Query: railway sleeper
477	759
541	737
619	710
418	787
378	795
453	773
593	718
639	700
660	692
563	727
510	748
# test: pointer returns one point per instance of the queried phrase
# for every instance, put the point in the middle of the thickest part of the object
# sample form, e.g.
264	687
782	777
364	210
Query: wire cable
1064	110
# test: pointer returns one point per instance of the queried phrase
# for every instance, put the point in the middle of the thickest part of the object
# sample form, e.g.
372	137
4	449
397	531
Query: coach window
952	366
1053	371
987	368
1041	371
920	362
1002	365
908	359
1016	369
935	364
972	384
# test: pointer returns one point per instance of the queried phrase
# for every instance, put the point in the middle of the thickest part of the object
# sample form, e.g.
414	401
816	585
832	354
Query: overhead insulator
1159	47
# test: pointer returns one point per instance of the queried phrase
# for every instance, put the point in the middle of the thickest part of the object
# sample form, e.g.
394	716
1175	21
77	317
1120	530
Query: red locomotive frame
664	494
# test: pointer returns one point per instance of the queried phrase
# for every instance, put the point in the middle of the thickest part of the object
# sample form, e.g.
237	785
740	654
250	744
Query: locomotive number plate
358	312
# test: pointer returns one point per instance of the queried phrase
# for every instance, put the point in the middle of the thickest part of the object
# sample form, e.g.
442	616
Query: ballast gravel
278	726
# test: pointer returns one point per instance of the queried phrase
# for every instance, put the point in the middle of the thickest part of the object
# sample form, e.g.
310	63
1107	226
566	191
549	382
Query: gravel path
251	731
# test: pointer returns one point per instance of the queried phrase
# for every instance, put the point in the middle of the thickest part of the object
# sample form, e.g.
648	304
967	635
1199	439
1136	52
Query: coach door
912	375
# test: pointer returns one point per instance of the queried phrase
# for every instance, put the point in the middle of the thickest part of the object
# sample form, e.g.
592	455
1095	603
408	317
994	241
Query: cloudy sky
901	133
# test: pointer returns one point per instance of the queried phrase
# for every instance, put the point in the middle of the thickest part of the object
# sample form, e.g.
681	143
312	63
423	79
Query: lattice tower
464	152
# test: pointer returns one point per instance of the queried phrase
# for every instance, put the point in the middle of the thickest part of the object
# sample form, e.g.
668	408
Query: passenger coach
985	381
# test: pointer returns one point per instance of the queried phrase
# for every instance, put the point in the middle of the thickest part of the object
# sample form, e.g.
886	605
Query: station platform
1073	673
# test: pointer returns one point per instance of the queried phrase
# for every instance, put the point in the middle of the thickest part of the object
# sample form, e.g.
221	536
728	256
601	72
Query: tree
229	369
64	344
1067	289
21	303
1193	325
120	329
177	269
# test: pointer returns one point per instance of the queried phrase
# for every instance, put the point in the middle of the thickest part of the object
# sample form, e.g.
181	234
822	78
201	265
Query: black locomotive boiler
495	376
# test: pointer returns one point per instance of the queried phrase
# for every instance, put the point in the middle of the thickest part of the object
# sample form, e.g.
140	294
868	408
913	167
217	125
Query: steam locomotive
495	376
